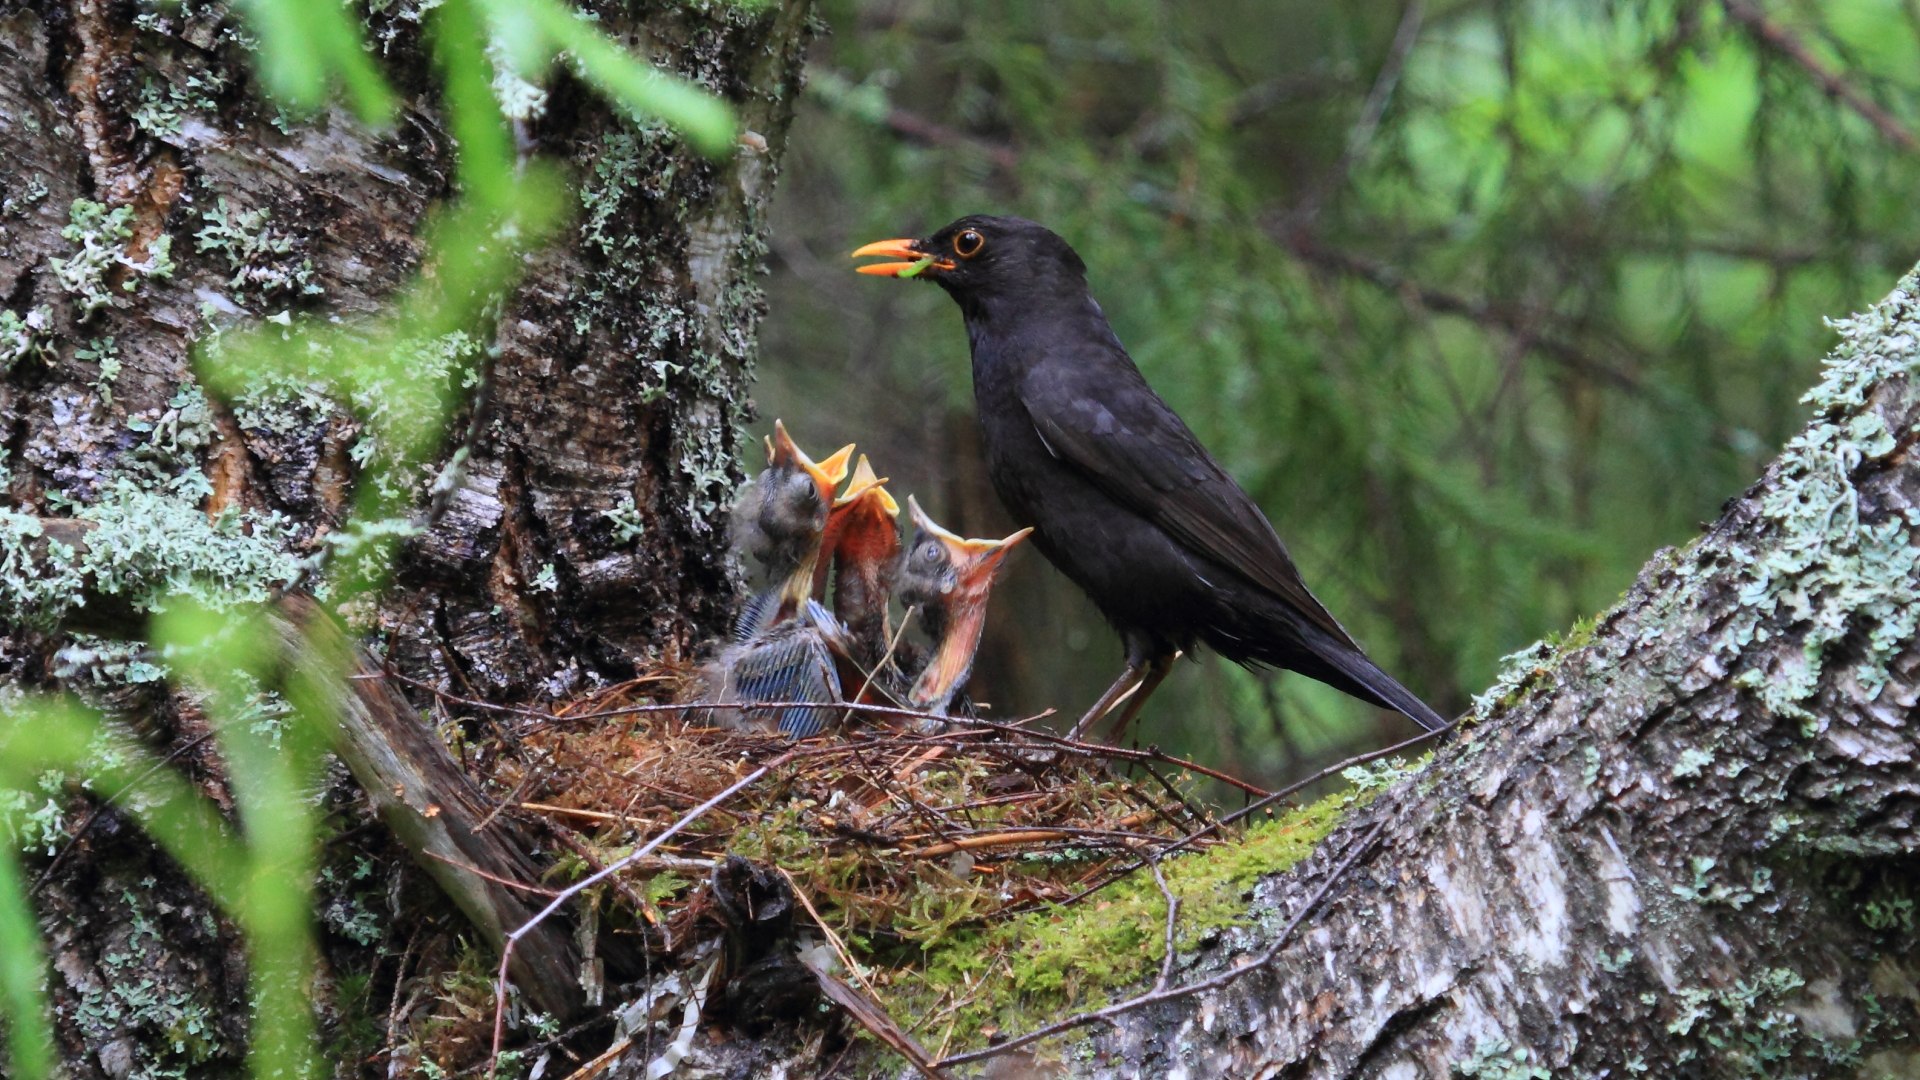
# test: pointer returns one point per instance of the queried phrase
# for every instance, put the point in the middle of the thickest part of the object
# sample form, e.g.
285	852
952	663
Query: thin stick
1255	807
1158	996
886	658
839	947
537	890
571	891
1173	917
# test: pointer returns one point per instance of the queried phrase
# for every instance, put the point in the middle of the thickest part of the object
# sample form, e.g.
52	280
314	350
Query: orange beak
826	474
975	560
913	259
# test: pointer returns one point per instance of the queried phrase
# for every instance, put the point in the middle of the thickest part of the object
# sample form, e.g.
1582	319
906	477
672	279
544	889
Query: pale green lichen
260	256
163	105
104	352
25	337
1825	568
1495	1058
1748	1029
16	204
145	547
102	235
625	518
173	438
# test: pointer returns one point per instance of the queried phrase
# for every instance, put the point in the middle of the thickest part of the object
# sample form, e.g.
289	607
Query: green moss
1046	963
90	274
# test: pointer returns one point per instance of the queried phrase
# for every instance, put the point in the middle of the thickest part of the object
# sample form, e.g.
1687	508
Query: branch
1776	37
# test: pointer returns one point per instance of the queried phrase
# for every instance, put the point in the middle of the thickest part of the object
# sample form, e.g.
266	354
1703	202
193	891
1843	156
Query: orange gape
865	546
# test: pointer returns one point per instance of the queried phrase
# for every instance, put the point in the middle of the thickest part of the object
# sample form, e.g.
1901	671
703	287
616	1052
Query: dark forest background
1484	302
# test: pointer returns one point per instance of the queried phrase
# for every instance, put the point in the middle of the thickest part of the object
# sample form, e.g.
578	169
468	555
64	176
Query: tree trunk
153	198
1683	845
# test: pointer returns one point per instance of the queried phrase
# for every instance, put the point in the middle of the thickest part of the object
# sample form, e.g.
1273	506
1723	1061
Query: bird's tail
1347	668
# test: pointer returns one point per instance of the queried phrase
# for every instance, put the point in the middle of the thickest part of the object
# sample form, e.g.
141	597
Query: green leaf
704	119
22	970
303	43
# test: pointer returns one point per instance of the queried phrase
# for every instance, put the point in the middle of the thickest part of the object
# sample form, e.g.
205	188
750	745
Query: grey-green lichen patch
101	265
1754	1028
105	354
25	337
163	104
1499	1059
265	261
395	403
171	439
151	1022
144	546
16	204
1828	567
35	820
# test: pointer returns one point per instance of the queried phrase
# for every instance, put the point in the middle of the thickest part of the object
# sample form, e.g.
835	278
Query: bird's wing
1095	412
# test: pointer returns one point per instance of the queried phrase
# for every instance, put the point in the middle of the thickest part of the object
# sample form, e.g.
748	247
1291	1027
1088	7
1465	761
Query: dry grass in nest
896	837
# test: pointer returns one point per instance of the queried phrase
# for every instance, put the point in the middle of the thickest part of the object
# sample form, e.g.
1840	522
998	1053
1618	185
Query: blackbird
1123	498
946	579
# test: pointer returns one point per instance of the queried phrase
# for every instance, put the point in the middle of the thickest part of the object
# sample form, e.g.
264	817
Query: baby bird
947	578
780	519
865	545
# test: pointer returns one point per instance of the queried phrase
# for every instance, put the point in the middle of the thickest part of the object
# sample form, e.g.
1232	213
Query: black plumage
1123	498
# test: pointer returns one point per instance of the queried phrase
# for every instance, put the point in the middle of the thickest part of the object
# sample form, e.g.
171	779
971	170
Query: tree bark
149	199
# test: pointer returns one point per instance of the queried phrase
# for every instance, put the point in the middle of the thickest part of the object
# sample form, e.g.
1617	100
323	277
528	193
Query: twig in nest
1160	995
1173	921
571	891
1252	808
537	890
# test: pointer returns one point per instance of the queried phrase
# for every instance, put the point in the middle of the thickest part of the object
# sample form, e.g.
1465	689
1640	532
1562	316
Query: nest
891	836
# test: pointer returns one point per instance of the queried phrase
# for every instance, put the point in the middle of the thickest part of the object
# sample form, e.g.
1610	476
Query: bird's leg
1128	679
1157	670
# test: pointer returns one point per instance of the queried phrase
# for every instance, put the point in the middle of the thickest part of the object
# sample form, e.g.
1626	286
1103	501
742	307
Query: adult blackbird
1122	496
946	577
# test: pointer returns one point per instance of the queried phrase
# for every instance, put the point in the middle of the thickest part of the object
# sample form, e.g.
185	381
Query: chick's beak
911	260
978	559
865	487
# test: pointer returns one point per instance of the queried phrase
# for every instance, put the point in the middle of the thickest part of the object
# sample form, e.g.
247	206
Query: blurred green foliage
1483	301
234	661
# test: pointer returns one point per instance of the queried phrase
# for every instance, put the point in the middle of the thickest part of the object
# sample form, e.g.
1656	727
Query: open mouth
909	260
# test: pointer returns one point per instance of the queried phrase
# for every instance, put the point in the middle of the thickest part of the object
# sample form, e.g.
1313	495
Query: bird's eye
968	242
930	552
